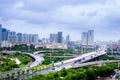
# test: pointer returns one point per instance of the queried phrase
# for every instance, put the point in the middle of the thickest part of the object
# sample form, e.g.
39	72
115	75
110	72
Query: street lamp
63	48
118	63
28	47
50	56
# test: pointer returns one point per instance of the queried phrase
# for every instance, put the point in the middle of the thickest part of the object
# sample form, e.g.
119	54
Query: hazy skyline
69	16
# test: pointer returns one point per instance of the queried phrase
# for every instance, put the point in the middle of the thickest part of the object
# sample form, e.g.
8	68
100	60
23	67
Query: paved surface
38	59
63	56
94	63
67	63
58	68
82	58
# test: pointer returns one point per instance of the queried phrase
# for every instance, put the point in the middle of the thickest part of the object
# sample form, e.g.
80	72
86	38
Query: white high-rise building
67	39
30	38
53	38
25	38
19	38
90	37
84	38
12	37
87	38
35	38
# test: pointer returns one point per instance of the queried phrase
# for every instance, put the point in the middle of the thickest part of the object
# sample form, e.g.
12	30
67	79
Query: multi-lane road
38	59
80	59
67	63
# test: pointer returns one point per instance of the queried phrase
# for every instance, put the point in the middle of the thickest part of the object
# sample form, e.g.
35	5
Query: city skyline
70	17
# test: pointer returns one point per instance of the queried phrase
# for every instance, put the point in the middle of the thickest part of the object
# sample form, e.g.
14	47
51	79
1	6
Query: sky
69	16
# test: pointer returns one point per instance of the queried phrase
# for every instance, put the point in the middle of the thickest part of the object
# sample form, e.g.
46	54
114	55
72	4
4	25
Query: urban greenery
7	59
7	64
84	73
106	57
113	51
24	59
21	47
54	56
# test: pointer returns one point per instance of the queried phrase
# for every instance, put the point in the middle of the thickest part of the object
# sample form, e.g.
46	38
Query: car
83	58
79	60
91	56
53	68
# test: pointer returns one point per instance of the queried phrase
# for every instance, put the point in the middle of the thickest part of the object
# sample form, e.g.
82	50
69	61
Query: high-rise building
0	32
53	38
19	37
91	37
25	38
12	33
35	38
84	38
87	38
30	38
118	42
12	37
59	37
67	39
5	34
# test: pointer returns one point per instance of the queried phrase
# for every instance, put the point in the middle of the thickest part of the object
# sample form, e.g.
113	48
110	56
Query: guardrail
93	63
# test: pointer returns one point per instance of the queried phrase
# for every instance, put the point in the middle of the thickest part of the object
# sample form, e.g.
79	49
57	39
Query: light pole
50	55
28	47
63	49
118	64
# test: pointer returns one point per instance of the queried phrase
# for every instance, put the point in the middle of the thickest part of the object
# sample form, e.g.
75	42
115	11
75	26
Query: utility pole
50	56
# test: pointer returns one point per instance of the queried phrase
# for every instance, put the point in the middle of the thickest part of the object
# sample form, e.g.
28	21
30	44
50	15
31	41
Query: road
75	61
94	63
38	59
59	68
67	63
83	58
62	56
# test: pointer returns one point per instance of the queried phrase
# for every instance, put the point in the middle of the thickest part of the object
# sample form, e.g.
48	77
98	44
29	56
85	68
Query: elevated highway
82	58
71	63
93	63
38	59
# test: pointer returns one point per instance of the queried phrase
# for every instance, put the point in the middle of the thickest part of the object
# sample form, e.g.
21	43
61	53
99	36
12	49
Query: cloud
70	16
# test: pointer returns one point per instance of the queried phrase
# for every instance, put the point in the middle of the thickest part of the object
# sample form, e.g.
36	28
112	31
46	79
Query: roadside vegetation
21	47
84	73
50	57
7	62
106	57
113	51
23	58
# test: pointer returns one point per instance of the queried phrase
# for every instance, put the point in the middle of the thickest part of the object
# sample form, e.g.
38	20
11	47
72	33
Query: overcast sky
69	16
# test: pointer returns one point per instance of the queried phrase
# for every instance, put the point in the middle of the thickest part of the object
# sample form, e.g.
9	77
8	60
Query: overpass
62	56
9	52
82	58
46	71
94	63
68	63
38	59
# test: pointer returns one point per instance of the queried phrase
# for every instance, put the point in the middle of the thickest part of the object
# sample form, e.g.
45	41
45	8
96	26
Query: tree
8	76
18	73
90	74
63	72
23	72
13	74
